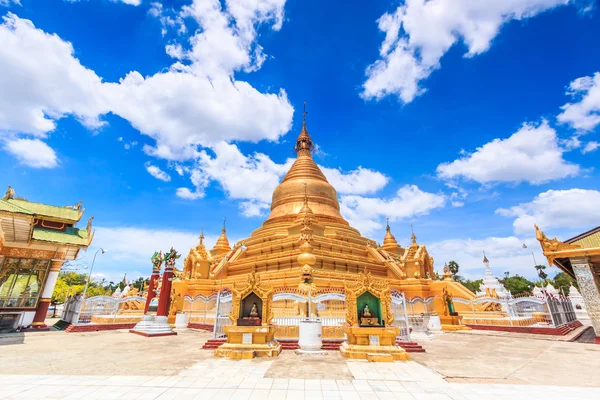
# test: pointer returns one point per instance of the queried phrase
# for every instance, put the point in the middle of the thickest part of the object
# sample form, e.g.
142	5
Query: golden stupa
305	209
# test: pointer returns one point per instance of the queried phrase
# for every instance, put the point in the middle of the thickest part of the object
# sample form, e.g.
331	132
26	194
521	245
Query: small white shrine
578	304
491	287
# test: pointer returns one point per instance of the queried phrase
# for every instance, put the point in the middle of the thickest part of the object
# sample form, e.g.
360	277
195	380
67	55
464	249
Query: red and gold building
35	240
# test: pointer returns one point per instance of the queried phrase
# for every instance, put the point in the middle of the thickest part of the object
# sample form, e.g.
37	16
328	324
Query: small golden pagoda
305	198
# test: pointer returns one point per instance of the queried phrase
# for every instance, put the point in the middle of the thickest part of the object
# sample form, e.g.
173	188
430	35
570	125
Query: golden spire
389	241
304	144
222	245
413	237
201	237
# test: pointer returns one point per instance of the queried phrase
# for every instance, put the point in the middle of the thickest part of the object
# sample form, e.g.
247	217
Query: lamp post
87	283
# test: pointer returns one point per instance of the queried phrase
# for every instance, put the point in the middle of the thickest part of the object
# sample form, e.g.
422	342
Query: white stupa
549	289
578	303
491	287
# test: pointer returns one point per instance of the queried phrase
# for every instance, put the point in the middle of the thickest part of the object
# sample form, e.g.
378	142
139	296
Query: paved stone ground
108	365
512	359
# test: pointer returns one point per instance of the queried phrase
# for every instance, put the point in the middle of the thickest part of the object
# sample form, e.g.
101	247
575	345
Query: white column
589	287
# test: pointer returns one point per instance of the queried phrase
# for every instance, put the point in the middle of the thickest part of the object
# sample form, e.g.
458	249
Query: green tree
70	283
517	284
562	282
473	286
454	267
541	273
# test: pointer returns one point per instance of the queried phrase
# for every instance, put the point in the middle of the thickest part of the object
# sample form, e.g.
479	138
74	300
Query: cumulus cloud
590	146
584	113
194	103
360	181
32	152
157	173
37	94
532	154
366	213
7	3
504	253
129	249
420	32
573	208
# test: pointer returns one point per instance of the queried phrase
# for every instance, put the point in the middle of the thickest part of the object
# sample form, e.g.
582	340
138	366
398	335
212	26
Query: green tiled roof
44	210
7	206
74	236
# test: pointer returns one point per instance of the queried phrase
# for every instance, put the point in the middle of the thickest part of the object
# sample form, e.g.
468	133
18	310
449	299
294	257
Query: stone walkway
117	364
221	379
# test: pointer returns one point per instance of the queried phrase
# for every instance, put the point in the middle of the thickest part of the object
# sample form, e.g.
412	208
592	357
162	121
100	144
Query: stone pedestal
247	342
434	324
181	321
310	338
373	344
453	323
152	326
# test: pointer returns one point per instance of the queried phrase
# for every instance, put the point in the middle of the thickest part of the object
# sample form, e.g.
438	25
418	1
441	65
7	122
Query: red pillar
46	296
165	292
151	288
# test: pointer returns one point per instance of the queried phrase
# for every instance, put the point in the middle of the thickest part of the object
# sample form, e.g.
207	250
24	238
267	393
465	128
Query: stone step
411	347
212	344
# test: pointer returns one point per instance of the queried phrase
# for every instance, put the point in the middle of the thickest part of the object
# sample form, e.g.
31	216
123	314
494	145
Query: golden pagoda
305	209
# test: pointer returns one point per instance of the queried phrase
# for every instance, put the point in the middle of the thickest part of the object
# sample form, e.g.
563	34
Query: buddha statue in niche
253	311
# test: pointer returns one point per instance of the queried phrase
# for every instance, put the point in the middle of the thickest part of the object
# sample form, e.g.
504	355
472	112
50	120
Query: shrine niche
250	311
251	334
369	310
248	295
369	321
372	293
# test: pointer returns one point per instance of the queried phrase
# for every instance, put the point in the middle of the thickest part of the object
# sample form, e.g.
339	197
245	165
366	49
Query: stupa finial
304	143
201	237
387	224
413	237
224	230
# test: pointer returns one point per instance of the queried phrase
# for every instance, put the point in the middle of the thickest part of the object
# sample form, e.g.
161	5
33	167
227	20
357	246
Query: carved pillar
165	292
151	288
44	302
589	287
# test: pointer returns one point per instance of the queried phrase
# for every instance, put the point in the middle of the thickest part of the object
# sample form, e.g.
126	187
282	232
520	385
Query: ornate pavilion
579	257
305	208
35	240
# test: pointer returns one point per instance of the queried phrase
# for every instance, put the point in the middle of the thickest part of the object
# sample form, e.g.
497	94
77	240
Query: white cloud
32	152
504	253
420	32
584	114
157	173
360	181
7	3
36	94
205	104
366	213
590	146
129	249
252	178
532	154
574	208
169	19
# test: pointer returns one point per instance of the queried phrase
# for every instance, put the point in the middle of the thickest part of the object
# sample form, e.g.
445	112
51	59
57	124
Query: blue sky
468	120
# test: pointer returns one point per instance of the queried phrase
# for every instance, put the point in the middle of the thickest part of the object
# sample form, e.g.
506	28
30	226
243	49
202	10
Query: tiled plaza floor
221	379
